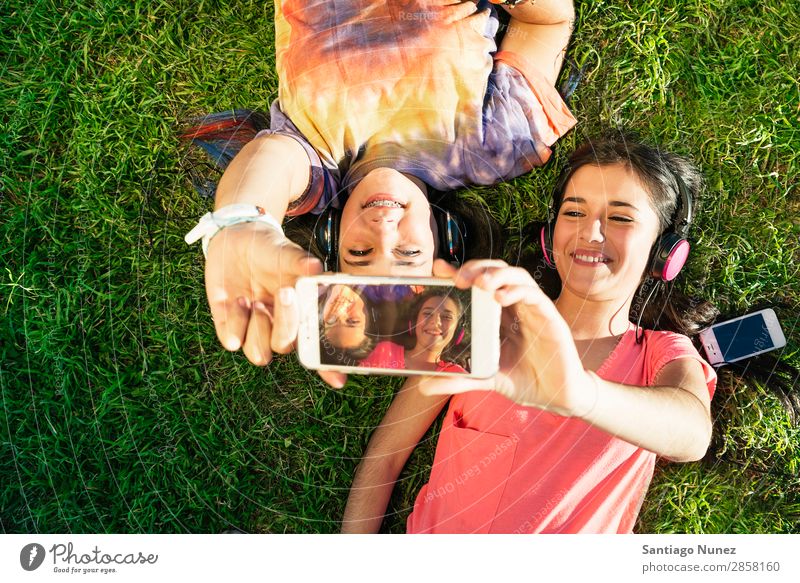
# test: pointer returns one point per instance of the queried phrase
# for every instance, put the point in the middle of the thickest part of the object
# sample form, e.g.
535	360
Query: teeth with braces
386	203
591	259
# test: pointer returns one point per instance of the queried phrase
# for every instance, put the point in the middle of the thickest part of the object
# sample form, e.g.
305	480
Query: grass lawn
120	410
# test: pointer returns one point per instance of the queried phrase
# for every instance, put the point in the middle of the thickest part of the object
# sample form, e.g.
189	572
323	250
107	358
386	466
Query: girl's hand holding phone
539	363
251	270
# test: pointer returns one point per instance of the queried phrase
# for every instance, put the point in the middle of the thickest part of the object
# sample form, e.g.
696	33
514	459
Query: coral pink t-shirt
387	354
504	468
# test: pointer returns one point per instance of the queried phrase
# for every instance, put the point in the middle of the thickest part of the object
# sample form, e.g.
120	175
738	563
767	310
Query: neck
593	319
421	355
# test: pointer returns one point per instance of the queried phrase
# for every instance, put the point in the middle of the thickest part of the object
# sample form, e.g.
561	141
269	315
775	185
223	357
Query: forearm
406	421
543	11
670	421
270	172
369	495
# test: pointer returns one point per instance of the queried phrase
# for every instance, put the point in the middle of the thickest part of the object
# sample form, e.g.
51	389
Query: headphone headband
682	219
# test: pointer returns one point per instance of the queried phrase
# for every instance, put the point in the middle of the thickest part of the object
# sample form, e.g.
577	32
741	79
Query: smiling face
436	323
387	227
604	231
344	318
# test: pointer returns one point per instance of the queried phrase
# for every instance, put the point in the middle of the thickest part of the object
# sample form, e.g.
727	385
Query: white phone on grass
397	326
742	337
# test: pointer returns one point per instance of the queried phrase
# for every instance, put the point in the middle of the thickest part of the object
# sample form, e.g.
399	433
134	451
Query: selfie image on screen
395	327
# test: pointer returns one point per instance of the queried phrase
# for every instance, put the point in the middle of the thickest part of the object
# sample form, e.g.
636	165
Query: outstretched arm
540	367
270	171
251	265
406	421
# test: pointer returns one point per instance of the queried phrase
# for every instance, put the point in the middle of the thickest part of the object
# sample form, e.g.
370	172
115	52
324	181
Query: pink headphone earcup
675	260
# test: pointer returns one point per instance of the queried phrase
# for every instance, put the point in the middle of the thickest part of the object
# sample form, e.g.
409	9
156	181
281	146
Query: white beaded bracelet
233	214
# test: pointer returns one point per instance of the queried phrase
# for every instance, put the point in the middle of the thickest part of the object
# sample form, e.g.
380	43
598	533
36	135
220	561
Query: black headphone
451	226
668	255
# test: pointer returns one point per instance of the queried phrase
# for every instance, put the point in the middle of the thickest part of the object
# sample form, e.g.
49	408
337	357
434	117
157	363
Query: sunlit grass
121	412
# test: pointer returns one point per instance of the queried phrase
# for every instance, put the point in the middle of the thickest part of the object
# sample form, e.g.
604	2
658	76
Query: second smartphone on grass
397	326
743	337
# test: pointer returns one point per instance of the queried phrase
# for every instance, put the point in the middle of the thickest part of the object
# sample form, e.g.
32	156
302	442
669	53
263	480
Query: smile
383	201
590	258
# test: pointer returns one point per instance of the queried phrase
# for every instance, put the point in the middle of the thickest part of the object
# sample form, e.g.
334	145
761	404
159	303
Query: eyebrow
611	203
327	326
445	312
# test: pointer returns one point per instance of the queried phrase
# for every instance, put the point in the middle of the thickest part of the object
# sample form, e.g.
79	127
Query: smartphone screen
743	337
415	328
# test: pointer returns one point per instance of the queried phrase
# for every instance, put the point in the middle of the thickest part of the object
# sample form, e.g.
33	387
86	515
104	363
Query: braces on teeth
389	203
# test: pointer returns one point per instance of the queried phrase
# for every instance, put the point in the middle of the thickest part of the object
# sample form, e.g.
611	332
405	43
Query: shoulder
443	366
515	82
662	346
673	355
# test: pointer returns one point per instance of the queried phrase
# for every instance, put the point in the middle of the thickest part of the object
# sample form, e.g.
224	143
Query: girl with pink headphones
565	437
437	336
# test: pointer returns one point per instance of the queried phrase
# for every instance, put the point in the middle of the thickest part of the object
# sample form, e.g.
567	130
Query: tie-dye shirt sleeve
413	85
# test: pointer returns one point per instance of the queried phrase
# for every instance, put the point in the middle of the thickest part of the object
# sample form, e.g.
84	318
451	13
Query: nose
382	224
593	230
381	219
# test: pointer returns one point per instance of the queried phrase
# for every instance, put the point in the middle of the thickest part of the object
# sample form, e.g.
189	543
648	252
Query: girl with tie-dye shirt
378	101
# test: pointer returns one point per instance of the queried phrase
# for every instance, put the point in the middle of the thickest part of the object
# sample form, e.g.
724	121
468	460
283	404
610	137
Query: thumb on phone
294	262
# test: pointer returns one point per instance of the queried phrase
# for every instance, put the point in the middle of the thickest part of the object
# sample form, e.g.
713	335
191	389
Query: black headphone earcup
326	235
452	235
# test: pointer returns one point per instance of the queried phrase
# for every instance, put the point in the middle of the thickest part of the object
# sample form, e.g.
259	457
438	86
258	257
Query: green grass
121	412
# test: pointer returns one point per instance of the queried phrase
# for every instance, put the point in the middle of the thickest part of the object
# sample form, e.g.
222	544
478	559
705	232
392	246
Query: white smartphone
397	326
742	337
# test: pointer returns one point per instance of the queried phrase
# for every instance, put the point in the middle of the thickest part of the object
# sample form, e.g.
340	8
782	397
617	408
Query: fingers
287	320
292	262
497	278
231	316
465	276
453	385
244	268
442	268
256	345
511	295
333	378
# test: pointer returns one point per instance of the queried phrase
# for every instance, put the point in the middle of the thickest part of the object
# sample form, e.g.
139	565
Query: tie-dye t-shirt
414	85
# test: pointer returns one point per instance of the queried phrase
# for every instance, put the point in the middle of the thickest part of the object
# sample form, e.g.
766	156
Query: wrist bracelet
233	214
